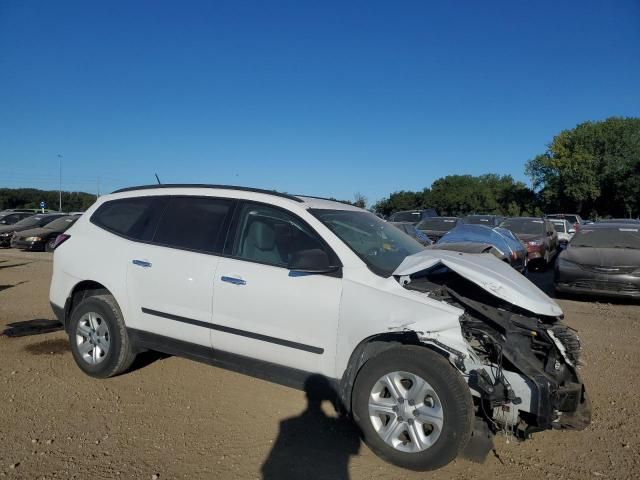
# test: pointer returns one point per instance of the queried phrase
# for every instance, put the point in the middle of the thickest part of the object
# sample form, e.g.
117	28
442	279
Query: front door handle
234	280
141	263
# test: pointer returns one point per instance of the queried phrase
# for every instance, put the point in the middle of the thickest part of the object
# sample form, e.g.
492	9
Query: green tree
594	167
31	198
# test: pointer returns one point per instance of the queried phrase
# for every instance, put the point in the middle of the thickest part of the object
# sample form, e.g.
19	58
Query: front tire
98	337
48	247
413	408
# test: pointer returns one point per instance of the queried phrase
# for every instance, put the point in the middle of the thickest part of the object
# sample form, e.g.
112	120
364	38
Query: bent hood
489	273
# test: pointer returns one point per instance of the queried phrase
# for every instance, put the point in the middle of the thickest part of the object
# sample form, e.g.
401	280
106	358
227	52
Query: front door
265	311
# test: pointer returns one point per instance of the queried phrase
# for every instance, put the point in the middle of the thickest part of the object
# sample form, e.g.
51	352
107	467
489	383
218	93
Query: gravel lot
175	418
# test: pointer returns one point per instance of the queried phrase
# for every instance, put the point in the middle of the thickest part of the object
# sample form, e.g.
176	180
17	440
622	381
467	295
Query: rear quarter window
134	218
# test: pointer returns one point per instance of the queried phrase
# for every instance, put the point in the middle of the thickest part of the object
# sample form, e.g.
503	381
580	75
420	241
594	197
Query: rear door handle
235	281
141	263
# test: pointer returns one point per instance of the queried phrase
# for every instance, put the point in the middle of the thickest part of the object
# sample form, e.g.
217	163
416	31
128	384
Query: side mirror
311	261
572	230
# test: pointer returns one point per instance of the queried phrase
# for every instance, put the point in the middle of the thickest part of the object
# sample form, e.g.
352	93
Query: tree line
592	169
31	198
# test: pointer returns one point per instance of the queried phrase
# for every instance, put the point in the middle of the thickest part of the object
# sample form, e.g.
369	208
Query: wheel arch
80	291
368	349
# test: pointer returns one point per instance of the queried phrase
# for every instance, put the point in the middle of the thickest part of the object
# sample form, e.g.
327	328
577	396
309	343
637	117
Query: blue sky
317	97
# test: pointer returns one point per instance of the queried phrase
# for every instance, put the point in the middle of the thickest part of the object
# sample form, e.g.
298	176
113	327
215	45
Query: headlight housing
33	239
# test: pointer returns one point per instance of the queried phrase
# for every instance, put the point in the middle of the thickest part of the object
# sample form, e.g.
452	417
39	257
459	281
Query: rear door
263	310
170	279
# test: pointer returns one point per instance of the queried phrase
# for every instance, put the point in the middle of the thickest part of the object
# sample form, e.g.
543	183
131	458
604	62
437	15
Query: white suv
426	349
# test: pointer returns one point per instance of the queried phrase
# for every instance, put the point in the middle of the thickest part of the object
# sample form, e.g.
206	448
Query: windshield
61	224
618	237
379	244
406	217
29	222
525	226
569	218
478	220
439	224
559	226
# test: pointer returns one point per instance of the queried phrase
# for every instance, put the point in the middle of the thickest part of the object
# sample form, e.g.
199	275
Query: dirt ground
175	418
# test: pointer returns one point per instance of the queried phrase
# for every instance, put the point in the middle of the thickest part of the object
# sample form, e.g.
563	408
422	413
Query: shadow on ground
313	445
144	359
31	327
56	346
7	287
14	265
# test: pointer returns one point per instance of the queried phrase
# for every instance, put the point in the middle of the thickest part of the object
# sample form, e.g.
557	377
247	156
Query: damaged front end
521	366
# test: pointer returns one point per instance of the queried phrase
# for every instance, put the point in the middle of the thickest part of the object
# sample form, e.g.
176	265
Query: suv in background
565	231
412	216
421	347
574	219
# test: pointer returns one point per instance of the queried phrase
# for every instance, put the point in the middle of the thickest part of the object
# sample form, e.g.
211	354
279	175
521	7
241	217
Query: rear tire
426	431
98	336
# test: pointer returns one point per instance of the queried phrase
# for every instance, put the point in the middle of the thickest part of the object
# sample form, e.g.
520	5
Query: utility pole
60	185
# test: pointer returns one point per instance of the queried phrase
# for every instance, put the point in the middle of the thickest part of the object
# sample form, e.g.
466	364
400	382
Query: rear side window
194	223
135	218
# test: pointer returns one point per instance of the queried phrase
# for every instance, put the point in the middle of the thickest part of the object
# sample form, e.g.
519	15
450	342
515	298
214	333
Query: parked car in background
22	210
538	234
411	230
601	259
33	221
488	220
436	227
564	229
42	238
619	220
412	216
9	217
422	347
483	239
574	219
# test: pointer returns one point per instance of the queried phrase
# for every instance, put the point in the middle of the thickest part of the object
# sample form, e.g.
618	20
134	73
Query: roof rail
226	187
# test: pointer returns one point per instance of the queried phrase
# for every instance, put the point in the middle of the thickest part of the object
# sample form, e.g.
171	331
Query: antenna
158	179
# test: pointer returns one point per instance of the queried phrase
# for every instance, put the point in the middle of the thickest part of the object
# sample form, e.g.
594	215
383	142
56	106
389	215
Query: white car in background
565	230
422	347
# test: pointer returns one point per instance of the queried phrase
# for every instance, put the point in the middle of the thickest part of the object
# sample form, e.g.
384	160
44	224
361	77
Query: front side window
135	218
378	243
194	223
272	236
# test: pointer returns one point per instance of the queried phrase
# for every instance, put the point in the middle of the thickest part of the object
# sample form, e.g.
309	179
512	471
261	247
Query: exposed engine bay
521	367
